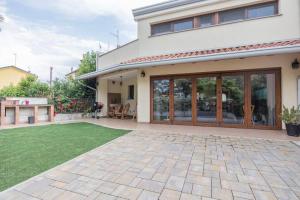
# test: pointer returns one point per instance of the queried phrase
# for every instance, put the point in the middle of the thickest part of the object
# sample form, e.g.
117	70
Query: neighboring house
72	74
11	75
207	62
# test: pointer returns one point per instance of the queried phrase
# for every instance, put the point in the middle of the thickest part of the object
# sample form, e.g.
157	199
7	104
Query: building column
102	91
2	114
143	98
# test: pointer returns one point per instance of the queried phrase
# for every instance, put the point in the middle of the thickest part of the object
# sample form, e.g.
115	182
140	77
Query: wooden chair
118	111
124	112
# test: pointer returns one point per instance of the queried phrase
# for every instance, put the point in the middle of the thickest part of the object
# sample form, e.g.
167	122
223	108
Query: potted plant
289	117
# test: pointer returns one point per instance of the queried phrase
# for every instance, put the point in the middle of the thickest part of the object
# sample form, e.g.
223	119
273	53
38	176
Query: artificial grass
26	152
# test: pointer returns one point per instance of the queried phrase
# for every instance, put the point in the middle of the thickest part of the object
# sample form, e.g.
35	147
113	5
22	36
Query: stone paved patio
148	165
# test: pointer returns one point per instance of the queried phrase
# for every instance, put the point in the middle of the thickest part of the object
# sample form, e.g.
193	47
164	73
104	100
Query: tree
88	63
28	87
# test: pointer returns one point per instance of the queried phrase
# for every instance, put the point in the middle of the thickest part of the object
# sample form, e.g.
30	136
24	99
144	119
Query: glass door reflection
263	99
161	99
183	99
233	95
206	99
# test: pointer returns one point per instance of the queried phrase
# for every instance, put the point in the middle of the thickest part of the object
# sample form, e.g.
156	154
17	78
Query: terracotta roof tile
212	51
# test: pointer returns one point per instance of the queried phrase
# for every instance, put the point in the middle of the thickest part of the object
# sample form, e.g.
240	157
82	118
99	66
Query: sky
44	33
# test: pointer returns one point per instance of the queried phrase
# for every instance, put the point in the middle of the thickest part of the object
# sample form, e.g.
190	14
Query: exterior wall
11	75
289	77
284	26
128	51
281	27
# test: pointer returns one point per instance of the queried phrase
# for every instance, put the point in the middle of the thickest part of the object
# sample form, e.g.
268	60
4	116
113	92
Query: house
12	75
231	63
72	75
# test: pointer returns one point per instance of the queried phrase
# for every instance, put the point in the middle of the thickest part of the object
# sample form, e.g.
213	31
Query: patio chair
124	112
118	111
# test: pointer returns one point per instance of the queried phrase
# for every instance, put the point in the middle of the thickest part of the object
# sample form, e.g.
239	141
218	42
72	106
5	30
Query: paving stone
284	194
262	195
175	183
222	194
169	195
107	187
161	177
127	192
201	190
146	195
103	196
242	195
150	185
70	196
200	180
255	180
236	186
187	188
185	196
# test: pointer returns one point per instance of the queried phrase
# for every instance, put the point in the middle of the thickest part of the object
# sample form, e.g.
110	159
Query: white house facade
227	63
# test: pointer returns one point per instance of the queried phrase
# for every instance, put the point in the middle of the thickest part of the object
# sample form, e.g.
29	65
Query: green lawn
26	152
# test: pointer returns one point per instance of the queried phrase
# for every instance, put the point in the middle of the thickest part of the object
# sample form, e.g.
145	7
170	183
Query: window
183	25
130	92
232	15
261	10
161	28
206	20
202	21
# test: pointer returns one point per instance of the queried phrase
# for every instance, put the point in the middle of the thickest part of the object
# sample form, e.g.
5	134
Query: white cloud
39	46
92	8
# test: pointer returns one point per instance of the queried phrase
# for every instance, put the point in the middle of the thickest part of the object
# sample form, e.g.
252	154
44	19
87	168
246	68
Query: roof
17	68
260	49
212	51
72	72
162	6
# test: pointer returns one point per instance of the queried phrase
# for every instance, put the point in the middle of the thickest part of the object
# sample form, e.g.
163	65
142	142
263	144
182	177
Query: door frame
218	74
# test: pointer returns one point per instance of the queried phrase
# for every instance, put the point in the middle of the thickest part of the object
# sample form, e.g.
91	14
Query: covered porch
118	93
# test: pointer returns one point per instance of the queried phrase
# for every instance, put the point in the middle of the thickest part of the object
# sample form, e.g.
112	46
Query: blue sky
57	32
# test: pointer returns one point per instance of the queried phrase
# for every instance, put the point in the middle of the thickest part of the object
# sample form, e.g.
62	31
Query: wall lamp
295	64
143	74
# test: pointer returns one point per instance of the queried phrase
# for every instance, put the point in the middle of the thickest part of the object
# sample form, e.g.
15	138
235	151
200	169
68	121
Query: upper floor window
232	15
161	28
183	25
206	20
262	10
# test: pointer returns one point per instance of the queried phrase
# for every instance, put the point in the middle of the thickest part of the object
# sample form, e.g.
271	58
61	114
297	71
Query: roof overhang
162	6
201	58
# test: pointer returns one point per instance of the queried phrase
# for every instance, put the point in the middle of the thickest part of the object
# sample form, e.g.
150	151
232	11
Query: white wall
282	27
289	77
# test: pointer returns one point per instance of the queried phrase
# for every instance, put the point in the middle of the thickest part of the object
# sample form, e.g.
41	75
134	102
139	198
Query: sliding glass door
161	100
263	99
245	99
233	93
206	99
183	100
